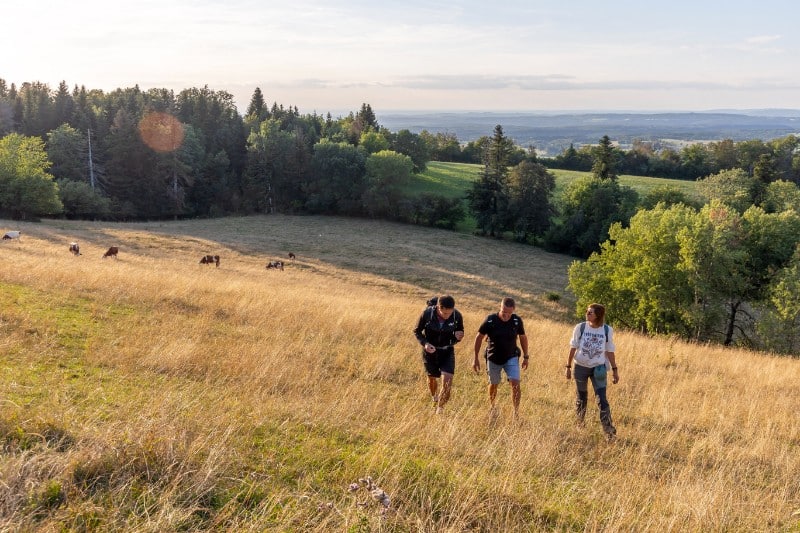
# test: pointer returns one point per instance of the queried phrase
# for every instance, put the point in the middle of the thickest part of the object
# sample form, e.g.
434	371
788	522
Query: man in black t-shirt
502	354
438	329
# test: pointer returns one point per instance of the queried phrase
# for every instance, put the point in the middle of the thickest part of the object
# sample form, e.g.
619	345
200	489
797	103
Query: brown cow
275	264
74	248
111	252
208	259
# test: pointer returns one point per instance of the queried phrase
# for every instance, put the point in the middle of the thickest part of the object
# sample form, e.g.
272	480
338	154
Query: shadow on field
478	271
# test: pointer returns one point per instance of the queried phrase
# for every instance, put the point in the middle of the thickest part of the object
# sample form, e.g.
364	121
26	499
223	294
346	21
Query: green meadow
454	180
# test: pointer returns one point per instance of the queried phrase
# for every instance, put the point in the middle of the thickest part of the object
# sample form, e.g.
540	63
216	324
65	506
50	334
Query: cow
74	248
208	259
111	252
275	264
11	235
292	256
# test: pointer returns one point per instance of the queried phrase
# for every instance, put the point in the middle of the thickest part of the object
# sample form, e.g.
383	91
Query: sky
332	56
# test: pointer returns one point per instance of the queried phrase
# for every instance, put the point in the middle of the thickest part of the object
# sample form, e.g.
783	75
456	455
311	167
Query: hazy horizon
423	56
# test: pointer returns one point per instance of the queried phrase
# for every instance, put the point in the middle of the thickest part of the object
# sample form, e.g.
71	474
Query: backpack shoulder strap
583	327
431	314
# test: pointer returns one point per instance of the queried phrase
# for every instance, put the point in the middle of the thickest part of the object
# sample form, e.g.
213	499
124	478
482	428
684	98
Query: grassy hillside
152	393
455	179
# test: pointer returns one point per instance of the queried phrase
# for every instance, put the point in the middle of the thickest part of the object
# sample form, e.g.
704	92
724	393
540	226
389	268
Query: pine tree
605	164
489	197
257	109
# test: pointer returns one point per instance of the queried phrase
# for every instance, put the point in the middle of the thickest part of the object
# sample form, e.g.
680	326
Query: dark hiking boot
580	411
608	425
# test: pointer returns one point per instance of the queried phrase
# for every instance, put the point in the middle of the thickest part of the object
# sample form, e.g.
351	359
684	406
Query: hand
459	335
476	366
569	373
615	378
524	363
430	348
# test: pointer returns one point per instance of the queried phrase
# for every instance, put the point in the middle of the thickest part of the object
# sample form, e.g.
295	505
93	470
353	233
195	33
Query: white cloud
763	39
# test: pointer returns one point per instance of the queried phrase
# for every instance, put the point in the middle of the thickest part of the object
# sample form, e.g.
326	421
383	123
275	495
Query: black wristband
568	366
613	368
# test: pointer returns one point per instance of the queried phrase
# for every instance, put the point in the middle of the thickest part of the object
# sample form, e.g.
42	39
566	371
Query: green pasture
454	180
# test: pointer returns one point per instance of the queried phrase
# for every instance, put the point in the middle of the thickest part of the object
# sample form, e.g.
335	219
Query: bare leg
447	386
516	395
433	385
492	394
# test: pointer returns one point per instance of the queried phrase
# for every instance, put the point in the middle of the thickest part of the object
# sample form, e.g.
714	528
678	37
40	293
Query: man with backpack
438	330
592	349
502	354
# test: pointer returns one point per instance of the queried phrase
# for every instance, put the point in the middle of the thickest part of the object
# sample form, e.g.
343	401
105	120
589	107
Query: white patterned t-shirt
591	349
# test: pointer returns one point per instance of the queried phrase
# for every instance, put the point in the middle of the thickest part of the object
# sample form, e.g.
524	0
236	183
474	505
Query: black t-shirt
502	344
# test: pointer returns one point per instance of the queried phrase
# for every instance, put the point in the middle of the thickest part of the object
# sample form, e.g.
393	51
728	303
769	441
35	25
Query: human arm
459	332
476	364
569	363
611	355
615	373
523	342
419	333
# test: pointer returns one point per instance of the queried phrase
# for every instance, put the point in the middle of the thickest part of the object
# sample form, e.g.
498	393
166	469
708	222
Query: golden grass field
151	393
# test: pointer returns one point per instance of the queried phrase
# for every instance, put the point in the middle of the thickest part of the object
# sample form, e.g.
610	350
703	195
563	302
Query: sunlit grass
152	393
455	180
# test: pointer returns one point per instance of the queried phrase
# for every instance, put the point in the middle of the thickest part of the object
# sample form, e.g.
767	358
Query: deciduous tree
27	189
531	186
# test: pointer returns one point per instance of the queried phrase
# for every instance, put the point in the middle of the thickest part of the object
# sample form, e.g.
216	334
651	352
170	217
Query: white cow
11	235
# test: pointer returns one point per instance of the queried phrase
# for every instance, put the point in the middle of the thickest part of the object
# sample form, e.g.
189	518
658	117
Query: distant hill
552	132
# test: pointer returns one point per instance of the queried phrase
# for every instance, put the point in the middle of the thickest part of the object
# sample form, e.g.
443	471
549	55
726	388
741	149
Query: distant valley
551	133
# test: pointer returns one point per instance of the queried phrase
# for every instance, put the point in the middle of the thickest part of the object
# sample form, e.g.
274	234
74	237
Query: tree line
776	159
131	154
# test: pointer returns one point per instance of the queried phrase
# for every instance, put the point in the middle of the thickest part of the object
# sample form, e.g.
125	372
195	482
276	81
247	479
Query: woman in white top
592	350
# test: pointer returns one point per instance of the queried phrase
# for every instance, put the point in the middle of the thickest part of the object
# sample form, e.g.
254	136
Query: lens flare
161	131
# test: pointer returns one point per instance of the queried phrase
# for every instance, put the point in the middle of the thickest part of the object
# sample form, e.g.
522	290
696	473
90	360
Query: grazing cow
275	264
111	252
208	259
292	256
74	248
11	235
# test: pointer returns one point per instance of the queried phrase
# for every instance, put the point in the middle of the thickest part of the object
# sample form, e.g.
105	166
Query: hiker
502	354
438	329
592	349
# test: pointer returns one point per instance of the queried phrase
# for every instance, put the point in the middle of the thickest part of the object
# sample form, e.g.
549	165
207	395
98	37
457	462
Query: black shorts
442	360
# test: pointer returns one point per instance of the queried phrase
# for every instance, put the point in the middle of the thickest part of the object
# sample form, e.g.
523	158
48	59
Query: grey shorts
511	368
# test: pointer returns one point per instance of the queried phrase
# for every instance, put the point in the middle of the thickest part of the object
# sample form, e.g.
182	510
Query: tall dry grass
151	393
